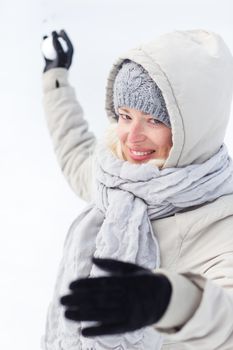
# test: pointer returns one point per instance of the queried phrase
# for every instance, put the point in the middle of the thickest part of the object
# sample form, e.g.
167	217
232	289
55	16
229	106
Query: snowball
48	49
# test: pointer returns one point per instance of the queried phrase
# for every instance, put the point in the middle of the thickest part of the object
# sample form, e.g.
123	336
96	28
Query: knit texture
134	88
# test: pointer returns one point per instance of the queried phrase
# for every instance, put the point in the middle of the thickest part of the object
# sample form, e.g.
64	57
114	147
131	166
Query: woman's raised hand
130	298
57	51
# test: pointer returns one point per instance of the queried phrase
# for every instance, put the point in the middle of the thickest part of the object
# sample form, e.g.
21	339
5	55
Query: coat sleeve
201	315
73	143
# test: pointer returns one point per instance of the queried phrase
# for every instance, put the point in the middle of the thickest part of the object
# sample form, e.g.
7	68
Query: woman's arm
73	143
210	323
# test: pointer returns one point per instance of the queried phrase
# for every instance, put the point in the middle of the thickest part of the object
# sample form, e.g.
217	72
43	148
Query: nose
136	132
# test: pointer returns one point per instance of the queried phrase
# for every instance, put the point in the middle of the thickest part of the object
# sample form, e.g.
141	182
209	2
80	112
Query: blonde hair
112	141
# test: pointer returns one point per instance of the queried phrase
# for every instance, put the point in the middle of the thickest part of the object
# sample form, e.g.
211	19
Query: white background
37	205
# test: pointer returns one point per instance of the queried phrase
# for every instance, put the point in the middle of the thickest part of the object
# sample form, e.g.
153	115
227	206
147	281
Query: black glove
63	59
131	298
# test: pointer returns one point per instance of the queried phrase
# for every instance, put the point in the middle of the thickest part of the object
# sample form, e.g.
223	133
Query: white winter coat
194	70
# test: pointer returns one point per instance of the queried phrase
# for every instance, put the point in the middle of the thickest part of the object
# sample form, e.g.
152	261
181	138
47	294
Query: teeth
141	153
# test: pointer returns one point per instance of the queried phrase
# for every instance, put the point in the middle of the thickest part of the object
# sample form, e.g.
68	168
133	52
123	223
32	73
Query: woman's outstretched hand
63	57
130	298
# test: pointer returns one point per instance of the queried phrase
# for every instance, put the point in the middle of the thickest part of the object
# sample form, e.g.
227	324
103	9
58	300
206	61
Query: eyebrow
126	110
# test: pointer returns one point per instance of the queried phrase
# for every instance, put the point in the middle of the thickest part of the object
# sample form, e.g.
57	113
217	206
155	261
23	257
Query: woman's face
142	137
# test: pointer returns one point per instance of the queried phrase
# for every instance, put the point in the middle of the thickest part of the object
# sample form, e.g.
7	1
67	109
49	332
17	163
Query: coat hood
194	71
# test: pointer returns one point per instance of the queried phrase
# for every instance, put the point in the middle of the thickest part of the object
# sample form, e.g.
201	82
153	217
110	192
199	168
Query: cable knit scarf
118	225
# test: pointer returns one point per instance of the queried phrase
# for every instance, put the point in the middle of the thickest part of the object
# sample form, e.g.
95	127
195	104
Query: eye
124	116
155	121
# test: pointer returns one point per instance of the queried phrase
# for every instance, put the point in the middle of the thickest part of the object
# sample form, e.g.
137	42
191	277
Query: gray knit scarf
118	225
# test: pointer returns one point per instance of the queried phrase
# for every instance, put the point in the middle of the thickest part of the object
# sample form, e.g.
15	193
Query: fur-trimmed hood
194	70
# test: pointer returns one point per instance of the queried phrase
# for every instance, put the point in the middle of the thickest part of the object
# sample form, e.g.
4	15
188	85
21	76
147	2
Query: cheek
168	137
166	141
162	138
121	134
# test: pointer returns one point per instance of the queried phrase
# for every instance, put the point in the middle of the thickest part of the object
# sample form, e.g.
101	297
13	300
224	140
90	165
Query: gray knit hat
134	88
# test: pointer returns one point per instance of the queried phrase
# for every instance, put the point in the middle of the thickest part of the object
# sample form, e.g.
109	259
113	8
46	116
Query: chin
158	162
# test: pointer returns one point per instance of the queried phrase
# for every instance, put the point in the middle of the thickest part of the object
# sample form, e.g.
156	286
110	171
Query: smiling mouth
140	155
137	153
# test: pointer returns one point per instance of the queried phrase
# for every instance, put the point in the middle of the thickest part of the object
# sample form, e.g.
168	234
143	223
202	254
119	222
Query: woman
160	192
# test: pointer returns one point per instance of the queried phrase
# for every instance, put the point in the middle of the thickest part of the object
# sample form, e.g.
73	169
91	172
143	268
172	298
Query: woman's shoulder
222	204
217	213
225	203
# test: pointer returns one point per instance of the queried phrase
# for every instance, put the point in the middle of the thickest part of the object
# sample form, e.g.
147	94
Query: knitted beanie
134	88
